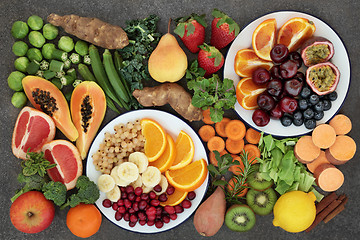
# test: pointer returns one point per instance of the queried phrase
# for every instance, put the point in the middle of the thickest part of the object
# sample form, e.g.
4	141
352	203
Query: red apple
32	212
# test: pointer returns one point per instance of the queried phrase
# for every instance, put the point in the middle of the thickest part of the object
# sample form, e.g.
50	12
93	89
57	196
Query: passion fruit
323	78
316	50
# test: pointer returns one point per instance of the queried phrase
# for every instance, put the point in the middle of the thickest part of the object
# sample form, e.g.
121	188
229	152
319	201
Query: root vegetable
253	151
92	30
305	150
323	136
341	124
216	144
172	93
212	158
206	132
235	130
328	177
317	162
252	136
341	151
234	146
220	127
206	117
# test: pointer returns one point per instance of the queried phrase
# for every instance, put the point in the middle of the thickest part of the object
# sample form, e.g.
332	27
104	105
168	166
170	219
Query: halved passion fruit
316	50
323	78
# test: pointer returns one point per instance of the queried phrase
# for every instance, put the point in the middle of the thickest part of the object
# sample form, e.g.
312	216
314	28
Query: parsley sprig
35	163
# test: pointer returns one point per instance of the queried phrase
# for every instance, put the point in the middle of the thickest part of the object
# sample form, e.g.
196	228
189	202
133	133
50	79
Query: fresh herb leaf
35	163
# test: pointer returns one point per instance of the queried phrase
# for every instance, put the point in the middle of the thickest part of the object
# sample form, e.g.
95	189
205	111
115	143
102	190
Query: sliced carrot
235	169
234	146
231	185
305	150
220	127
216	144
252	136
253	152
317	162
342	150
328	177
341	123
235	130
212	158
206	116
323	136
206	132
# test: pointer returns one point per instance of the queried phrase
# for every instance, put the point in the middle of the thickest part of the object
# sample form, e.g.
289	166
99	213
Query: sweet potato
341	151
92	30
328	177
318	161
235	130
305	150
220	127
323	136
252	136
341	124
206	132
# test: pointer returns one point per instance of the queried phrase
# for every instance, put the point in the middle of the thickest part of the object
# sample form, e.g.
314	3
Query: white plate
173	126
340	59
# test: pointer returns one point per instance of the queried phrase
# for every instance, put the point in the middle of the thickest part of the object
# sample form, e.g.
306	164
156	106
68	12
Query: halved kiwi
256	181
240	218
261	202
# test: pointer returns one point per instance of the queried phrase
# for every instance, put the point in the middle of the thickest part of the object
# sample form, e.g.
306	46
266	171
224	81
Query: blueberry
308	113
298	122
314	99
318	115
327	105
286	121
310	123
319	106
305	92
332	96
297	115
303	104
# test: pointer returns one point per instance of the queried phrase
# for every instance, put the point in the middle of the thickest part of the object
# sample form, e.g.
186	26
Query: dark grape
265	101
288	104
293	87
275	72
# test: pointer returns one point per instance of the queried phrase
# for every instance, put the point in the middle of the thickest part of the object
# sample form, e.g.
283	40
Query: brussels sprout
47	50
36	39
50	32
18	99
21	64
19	29
15	81
35	22
66	43
20	48
81	48
34	54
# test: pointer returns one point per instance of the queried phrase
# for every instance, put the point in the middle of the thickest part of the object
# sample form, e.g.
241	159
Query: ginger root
172	93
92	30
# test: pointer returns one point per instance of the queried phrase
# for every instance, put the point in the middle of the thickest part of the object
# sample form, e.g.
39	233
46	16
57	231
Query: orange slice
189	177
294	32
246	61
167	158
247	92
263	39
185	151
155	139
174	199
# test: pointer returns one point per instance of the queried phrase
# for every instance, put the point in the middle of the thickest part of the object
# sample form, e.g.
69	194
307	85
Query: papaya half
88	107
45	96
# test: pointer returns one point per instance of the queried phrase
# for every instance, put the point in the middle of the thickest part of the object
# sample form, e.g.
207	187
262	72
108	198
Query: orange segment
189	177
247	92
155	139
294	32
246	61
185	151
167	158
174	199
263	39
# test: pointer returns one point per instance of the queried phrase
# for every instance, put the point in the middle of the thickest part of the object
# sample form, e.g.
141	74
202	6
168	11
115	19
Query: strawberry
191	31
223	29
210	59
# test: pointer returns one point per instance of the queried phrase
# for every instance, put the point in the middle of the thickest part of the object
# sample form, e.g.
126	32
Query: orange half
246	61
174	199
167	158
263	39
185	151
247	92
155	139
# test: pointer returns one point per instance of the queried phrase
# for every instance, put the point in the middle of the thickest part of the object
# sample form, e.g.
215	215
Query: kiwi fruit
256	181
240	218
261	202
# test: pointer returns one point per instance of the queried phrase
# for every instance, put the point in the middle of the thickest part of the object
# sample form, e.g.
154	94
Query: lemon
295	211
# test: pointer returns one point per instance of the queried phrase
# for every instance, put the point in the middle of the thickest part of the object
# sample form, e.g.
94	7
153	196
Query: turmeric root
172	93
92	30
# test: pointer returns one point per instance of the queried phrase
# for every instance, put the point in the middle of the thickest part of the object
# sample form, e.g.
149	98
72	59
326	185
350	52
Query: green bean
111	105
71	72
67	80
118	65
59	55
85	73
57	83
49	74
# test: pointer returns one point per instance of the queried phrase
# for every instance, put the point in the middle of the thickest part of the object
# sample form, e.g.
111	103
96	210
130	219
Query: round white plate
340	59
173	126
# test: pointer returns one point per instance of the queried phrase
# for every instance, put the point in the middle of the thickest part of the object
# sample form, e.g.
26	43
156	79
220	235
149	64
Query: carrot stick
206	116
253	152
305	150
212	158
341	123
234	146
317	162
325	202
323	136
235	130
206	132
220	127
252	136
216	143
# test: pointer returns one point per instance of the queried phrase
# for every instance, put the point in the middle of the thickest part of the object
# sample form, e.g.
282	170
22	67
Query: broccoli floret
33	182
55	191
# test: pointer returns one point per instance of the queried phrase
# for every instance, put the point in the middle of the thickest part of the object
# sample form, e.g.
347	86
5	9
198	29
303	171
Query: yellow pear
168	62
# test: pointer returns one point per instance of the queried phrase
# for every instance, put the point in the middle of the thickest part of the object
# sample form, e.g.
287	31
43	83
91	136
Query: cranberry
288	69
293	87
275	87
135	206
151	211
133	218
129	189
178	209
150	223
170	190
162	197
165	219
276	112
260	118
120	202
288	104
159	224
155	202
106	203
170	209
123	189
118	216
131	210
142	204
137	199
173	216
186	204
157	188
151	217
132	224
279	53
123	195
127	203
131	196
115	206
152	195
275	72
191	195
141	215
265	101
261	76
159	210
144	196
142	222
121	209
127	216
138	191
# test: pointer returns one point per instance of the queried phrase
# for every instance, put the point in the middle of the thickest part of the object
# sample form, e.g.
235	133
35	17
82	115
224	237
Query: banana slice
128	172
118	181
140	159
164	185
137	183
151	177
105	183
114	194
146	189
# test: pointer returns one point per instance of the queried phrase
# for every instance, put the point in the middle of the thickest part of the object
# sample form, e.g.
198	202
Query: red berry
170	190
165	219
127	203
131	210
159	224
191	32
178	209
142	222
120	202
157	188
162	197
151	217
152	195
186	204
138	191
150	223
221	35
159	210
155	202
106	203
131	196
123	195
132	224
191	195
141	216
121	209
210	59
144	196
169	209
118	216
133	218
151	211
173	216
115	206
127	216
142	205
123	189
129	189
135	206
138	199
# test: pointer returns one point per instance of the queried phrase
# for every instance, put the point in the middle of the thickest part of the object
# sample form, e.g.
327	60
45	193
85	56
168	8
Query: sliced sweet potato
328	177
305	150
341	151
323	136
341	124
317	162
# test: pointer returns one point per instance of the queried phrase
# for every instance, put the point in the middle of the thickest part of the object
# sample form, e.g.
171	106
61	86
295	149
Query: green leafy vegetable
33	182
35	163
55	191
